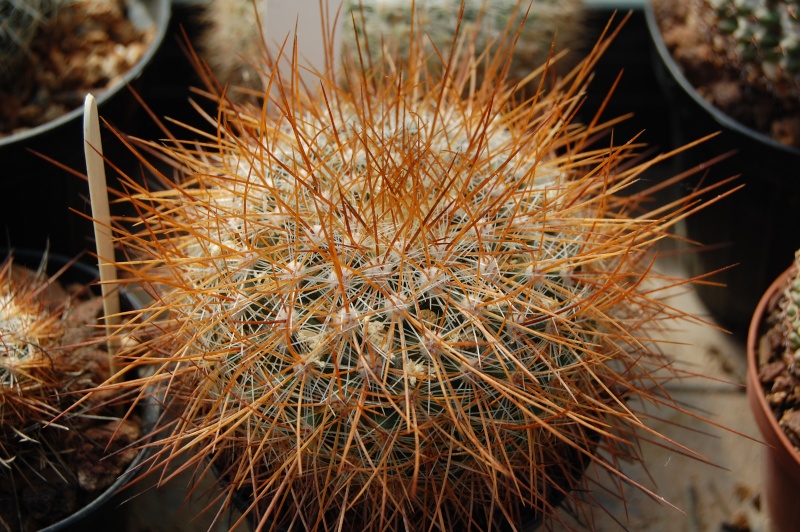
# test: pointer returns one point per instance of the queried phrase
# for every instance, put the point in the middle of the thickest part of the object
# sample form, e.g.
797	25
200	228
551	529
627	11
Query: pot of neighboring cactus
734	67
42	116
414	306
52	52
773	388
63	473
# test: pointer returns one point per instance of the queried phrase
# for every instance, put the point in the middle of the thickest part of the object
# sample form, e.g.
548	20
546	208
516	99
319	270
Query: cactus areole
412	304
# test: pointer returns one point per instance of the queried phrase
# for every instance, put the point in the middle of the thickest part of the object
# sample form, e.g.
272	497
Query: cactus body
411	306
41	361
29	329
233	39
762	37
385	27
790	316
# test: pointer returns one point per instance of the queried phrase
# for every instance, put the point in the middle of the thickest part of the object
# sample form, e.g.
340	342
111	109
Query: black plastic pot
754	231
104	512
36	196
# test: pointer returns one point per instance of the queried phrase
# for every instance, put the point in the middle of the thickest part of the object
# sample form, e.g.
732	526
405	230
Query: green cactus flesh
790	316
766	35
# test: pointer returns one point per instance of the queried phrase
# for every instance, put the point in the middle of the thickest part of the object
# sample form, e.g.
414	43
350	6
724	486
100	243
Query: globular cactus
782	390
41	360
19	21
55	451
411	306
791	314
231	38
778	353
29	328
542	24
761	37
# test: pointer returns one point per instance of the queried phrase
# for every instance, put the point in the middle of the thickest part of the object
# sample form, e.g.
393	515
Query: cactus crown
399	306
766	38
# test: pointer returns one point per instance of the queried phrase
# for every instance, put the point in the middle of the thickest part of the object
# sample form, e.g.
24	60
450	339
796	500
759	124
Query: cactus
784	338
778	353
53	462
28	376
791	314
19	21
388	24
762	38
41	361
784	319
414	306
231	38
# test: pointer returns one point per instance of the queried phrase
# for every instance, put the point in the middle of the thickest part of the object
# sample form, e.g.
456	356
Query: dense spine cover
416	304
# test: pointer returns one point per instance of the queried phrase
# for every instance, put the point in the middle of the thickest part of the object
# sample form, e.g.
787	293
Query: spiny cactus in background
39	365
778	353
542	23
29	328
790	316
762	37
412	306
232	38
19	20
50	350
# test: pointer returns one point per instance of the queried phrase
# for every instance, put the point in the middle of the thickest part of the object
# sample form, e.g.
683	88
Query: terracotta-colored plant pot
781	460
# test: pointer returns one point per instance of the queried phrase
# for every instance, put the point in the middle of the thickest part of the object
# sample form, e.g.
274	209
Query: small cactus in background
790	314
782	390
45	355
741	56
778	353
232	37
541	25
411	306
762	37
19	21
30	328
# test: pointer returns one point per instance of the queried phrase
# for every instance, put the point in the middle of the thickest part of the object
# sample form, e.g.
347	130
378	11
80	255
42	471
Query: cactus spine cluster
388	26
413	306
29	329
763	39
